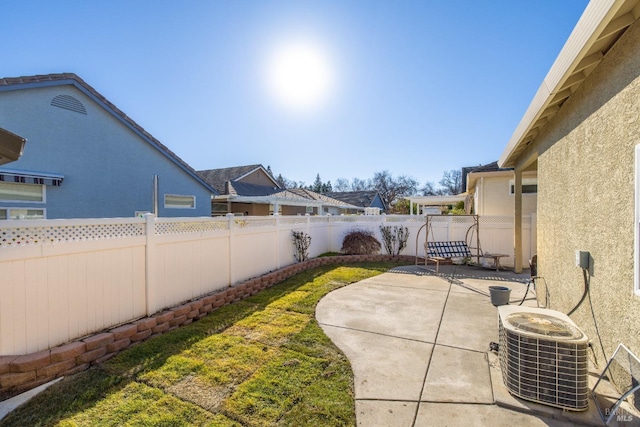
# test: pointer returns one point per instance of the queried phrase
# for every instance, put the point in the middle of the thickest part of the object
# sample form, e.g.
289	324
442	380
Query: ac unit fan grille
540	369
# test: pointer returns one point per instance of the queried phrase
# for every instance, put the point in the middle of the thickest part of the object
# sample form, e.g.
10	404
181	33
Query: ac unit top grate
542	324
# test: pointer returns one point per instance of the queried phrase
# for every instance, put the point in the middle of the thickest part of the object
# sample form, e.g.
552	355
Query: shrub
301	241
395	238
360	242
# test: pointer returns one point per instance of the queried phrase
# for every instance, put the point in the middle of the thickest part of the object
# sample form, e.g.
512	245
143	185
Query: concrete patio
418	344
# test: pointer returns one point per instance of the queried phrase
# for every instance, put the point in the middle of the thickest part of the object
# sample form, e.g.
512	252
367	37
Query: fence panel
63	288
254	253
64	279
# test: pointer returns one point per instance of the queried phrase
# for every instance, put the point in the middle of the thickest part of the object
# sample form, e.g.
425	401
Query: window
529	186
175	201
21	213
17	192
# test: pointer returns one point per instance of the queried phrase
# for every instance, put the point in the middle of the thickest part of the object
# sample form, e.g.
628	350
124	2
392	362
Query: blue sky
419	87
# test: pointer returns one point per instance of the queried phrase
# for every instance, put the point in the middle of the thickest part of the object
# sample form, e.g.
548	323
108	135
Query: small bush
360	242
395	238
301	241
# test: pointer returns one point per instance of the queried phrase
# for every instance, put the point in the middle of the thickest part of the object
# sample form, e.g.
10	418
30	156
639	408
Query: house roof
357	198
600	26
47	80
239	188
218	178
324	198
489	167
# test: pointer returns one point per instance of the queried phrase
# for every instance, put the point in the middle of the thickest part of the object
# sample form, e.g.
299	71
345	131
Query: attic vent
68	103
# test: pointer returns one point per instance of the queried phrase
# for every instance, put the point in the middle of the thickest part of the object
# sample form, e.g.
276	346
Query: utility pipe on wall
155	195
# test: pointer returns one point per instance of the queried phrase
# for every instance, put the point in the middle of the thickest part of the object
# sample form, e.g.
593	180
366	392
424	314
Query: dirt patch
193	389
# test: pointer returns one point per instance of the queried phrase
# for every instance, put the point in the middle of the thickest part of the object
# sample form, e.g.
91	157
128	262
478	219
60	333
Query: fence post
330	230
230	219
150	264
533	240
277	216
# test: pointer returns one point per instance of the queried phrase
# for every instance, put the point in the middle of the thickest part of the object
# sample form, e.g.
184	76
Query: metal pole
155	195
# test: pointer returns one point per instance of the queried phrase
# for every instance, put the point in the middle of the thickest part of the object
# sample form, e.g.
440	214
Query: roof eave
597	16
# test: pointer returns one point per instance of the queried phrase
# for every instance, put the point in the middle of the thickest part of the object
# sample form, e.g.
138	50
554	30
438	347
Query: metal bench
442	251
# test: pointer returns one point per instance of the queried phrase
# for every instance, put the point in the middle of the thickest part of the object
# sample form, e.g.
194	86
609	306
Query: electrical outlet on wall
582	259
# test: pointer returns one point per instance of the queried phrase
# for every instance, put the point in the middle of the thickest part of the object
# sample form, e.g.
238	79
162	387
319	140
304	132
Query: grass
263	361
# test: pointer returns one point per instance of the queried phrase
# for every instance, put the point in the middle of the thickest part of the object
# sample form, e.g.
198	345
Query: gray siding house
86	159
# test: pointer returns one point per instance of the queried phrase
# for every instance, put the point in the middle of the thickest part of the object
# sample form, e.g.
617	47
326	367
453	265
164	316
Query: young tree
392	189
285	183
342	184
451	182
430	190
317	185
361	185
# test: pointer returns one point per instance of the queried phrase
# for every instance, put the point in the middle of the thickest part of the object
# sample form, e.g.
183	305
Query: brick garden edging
21	373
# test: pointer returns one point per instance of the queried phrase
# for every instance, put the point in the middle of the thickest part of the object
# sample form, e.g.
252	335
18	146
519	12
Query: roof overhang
31	177
283	198
11	146
597	30
438	200
473	177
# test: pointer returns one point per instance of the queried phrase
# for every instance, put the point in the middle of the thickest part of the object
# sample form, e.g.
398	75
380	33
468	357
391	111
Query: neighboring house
243	190
329	205
581	134
435	205
86	158
491	190
364	199
251	190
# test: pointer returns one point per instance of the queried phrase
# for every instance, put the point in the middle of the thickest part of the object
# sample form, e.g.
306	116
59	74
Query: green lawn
263	361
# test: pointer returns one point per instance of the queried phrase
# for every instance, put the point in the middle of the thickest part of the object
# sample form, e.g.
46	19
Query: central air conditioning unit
543	357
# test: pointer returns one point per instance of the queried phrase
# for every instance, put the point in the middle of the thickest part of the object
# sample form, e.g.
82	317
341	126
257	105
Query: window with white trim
18	192
529	186
177	201
22	213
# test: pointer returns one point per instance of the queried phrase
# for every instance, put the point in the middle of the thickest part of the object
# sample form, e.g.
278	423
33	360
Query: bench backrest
448	249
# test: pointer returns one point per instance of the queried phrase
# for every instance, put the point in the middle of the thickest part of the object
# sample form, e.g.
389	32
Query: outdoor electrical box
582	259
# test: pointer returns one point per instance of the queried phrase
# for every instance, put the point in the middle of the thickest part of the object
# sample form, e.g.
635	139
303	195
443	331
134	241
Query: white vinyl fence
64	279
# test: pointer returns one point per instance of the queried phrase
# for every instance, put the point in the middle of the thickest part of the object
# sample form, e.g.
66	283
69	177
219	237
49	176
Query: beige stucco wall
491	195
586	199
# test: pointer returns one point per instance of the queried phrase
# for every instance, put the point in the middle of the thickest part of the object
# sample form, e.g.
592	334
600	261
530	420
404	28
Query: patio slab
464	415
469	322
457	375
419	348
383	413
383	309
384	367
